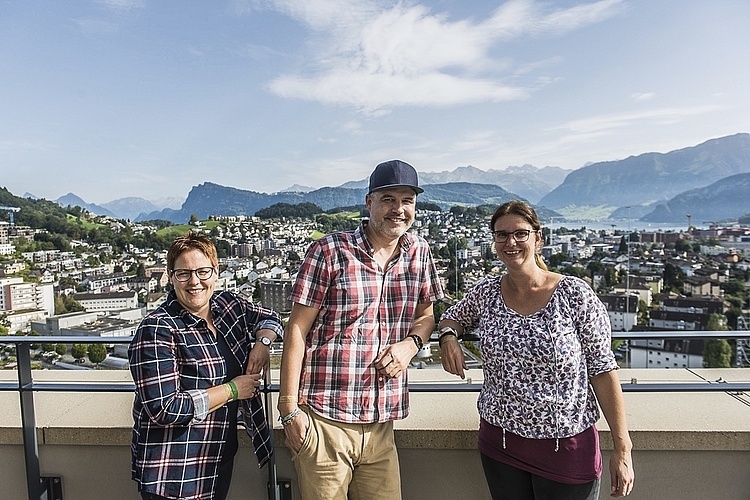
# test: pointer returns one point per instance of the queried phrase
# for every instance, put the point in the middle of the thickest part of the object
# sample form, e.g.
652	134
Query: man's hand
394	359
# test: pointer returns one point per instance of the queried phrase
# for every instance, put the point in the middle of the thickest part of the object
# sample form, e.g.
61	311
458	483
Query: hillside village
674	280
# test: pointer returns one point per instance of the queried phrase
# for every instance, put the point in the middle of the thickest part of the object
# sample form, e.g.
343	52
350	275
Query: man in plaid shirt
362	309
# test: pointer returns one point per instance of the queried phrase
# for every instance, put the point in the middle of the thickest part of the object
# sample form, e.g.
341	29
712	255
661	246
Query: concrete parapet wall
687	445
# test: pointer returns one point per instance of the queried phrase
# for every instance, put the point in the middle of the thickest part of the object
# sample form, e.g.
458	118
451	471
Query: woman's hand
621	474
247	385
259	359
452	357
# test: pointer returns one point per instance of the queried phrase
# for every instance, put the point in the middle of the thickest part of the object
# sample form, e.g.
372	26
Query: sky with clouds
115	98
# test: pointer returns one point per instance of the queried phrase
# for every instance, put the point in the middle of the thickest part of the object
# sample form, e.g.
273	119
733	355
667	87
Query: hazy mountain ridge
213	199
650	185
74	200
130	208
726	199
527	181
652	177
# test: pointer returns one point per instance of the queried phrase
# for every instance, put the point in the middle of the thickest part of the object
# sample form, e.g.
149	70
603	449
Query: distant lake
623	225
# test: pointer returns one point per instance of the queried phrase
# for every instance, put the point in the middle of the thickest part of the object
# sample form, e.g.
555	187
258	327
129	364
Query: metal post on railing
273	483
28	421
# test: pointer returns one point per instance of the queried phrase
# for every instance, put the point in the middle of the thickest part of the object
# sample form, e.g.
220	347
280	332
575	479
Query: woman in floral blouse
545	342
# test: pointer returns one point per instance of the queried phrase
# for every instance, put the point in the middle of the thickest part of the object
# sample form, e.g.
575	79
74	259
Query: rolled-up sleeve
264	319
153	365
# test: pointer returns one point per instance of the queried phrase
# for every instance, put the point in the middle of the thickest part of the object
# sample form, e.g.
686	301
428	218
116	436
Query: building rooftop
686	444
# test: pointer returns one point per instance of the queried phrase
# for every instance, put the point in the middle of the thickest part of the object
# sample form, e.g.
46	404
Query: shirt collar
173	306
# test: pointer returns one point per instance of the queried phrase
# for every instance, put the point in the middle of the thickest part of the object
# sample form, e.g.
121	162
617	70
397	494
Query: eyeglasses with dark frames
202	273
520	235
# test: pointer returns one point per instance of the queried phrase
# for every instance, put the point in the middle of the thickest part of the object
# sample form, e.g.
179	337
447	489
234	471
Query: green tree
65	304
643	315
193	218
623	249
438	308
487	260
717	323
293	257
34	334
673	277
682	245
61	349
717	353
556	259
79	351
97	353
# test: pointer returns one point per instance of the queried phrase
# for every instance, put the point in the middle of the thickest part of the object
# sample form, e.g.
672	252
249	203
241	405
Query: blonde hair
192	241
521	209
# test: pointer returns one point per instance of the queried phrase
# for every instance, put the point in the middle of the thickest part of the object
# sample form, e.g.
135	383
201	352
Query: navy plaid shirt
177	446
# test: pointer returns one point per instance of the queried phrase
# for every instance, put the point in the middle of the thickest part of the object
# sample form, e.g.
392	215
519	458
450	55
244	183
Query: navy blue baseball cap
394	173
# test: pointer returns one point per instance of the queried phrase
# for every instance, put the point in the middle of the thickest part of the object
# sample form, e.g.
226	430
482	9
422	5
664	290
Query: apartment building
17	295
111	301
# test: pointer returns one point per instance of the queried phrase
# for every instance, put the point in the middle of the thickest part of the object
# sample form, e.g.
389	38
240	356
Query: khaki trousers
340	461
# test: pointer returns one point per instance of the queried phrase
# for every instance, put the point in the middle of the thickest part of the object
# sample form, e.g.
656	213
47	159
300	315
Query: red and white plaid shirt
362	309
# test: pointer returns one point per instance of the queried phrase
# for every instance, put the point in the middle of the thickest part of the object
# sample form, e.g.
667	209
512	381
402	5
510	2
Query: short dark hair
191	241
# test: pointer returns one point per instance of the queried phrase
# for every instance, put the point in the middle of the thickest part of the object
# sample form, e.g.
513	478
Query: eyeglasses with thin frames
520	235
202	273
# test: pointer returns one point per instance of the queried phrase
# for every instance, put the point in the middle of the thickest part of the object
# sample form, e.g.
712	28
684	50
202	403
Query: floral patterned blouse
537	367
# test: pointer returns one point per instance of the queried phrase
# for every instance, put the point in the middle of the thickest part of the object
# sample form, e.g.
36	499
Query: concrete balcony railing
687	444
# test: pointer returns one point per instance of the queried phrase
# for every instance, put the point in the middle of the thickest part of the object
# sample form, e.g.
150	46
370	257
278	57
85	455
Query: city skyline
116	98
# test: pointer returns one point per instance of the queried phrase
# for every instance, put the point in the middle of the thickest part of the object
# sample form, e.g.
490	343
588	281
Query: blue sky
116	98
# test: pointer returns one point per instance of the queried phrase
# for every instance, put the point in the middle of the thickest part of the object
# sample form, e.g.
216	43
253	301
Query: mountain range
645	181
124	208
213	199
705	180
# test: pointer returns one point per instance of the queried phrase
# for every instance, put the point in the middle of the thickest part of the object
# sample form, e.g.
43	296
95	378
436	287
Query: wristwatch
448	330
265	341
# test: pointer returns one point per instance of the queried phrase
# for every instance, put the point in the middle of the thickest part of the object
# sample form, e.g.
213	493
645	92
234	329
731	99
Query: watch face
265	341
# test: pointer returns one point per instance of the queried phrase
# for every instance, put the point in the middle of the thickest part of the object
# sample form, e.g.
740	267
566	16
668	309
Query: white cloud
96	26
259	52
643	97
353	127
607	123
376	55
121	5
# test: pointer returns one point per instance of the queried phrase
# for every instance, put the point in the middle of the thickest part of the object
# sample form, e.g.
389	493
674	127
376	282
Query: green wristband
233	388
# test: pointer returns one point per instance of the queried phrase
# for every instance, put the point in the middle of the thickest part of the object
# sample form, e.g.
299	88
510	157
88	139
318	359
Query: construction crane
11	210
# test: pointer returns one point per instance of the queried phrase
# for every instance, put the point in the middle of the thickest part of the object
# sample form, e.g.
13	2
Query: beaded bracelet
286	420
